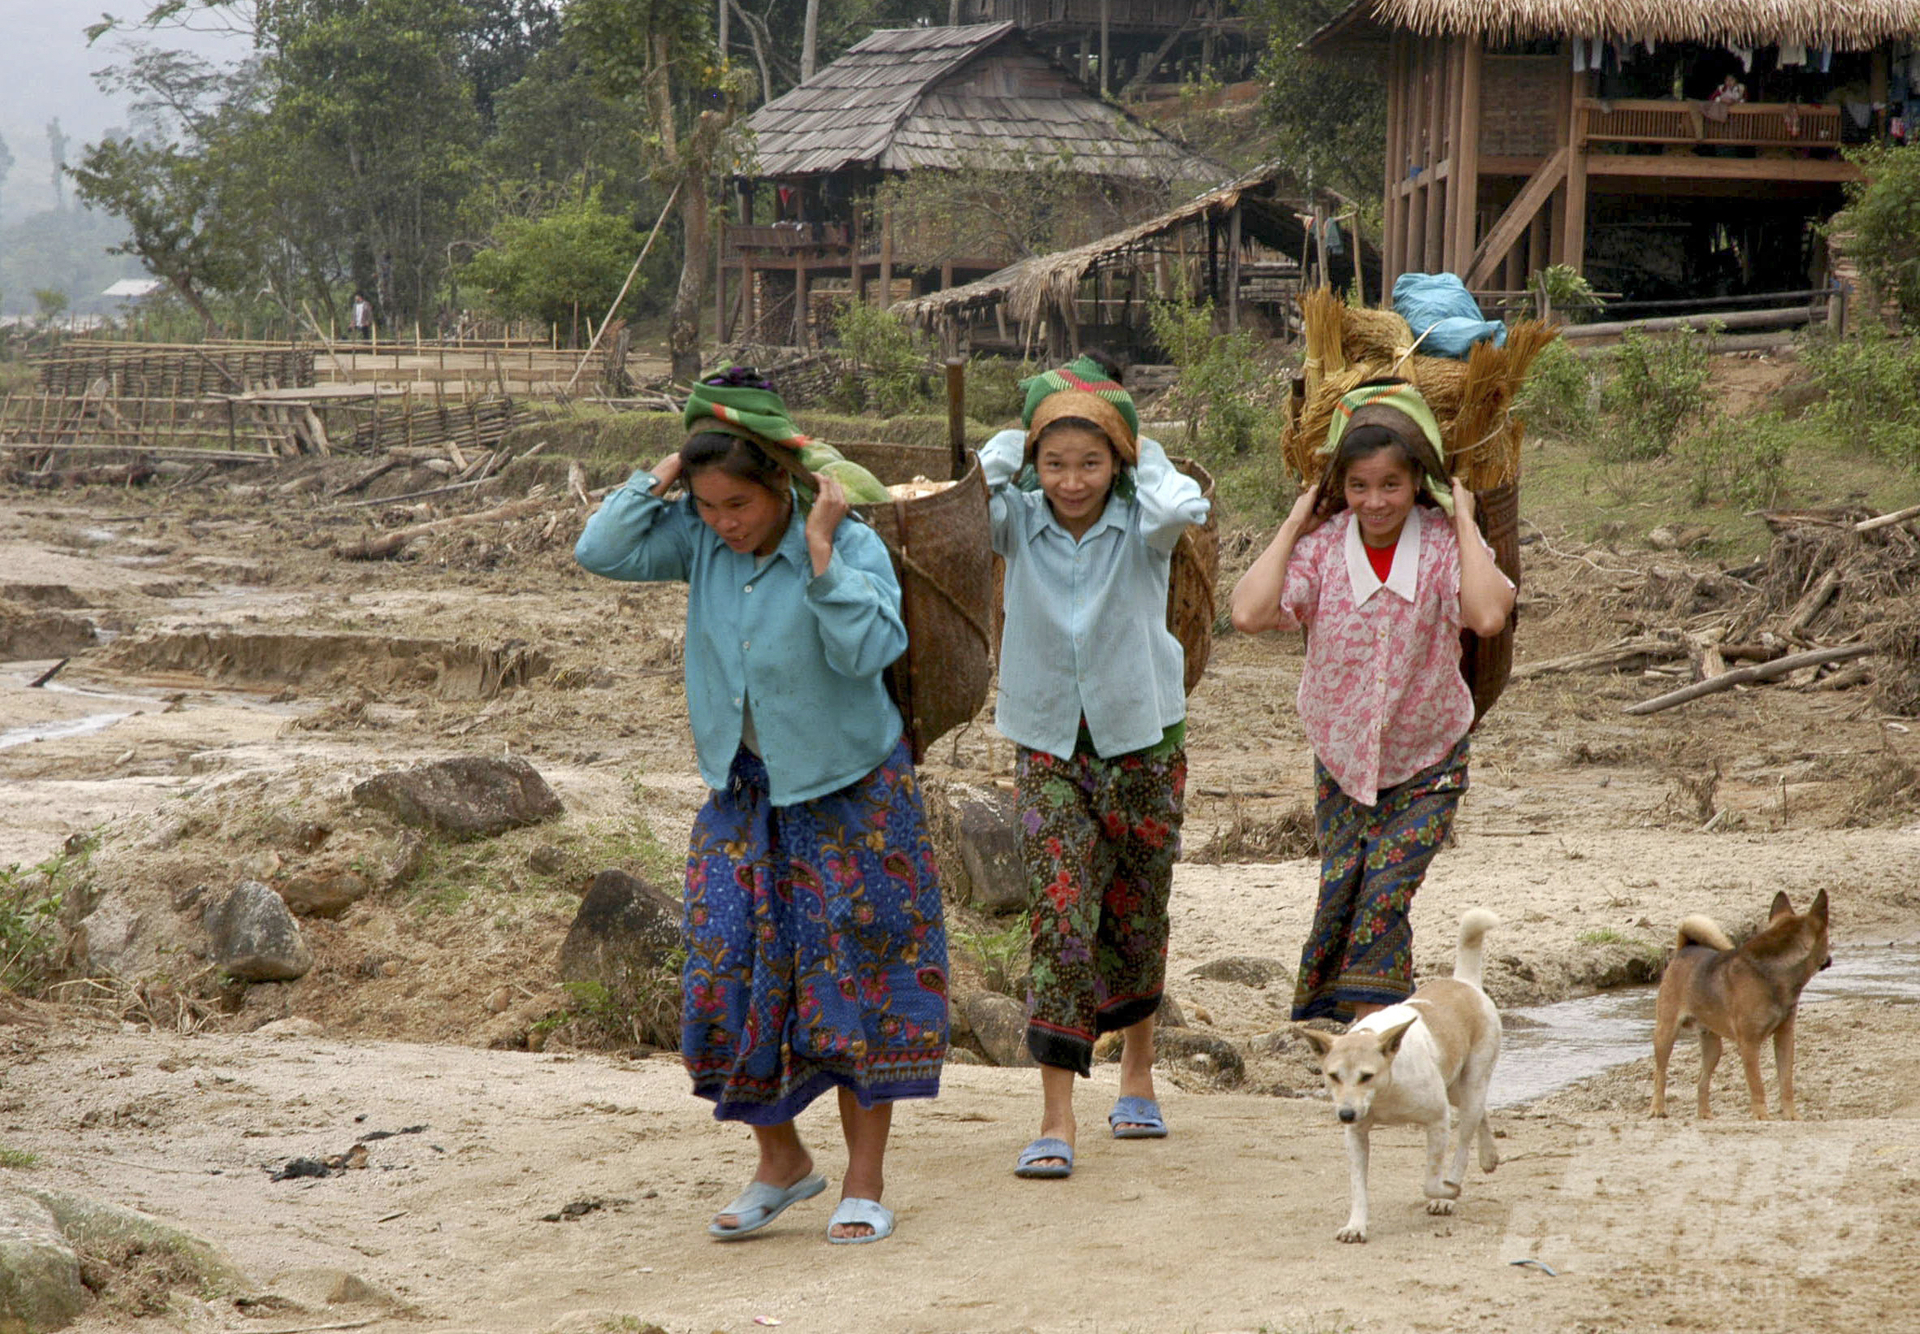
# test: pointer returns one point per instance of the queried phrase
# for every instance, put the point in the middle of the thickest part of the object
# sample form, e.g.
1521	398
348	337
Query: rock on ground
626	938
40	1286
254	937
467	797
976	840
999	1024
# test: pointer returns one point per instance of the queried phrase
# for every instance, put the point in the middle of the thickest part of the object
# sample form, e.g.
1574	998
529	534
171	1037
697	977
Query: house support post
1573	236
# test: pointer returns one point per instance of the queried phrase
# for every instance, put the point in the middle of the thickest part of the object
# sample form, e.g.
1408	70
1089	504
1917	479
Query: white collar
1403	578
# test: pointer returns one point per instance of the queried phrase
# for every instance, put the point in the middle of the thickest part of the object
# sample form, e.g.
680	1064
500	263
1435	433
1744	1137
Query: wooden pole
886	257
1233	270
631	273
1762	671
957	414
1573	239
1463	181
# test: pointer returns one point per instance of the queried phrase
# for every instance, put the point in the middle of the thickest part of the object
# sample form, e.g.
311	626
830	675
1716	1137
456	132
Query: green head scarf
1399	409
738	398
1082	373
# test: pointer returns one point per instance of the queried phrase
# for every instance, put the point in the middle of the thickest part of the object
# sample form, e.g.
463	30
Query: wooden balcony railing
1745	124
785	240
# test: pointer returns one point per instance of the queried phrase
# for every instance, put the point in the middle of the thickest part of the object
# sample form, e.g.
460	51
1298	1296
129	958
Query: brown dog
1746	993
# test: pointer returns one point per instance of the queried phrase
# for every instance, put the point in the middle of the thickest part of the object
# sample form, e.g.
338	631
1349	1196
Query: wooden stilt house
978	100
1686	149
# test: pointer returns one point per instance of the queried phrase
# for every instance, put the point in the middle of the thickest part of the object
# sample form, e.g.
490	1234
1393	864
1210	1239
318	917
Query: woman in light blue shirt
816	949
1091	693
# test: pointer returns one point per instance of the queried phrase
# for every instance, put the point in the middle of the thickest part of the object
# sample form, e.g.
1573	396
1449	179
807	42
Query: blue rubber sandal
759	1204
1137	1118
853	1209
1045	1147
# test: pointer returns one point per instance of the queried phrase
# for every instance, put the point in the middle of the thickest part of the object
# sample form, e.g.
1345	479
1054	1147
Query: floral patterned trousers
1359	950
1100	838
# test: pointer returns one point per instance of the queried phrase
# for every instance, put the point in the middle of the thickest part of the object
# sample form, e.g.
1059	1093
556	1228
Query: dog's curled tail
1700	930
1474	925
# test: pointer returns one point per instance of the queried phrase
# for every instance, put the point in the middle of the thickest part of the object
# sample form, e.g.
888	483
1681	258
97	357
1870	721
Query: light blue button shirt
805	652
1086	622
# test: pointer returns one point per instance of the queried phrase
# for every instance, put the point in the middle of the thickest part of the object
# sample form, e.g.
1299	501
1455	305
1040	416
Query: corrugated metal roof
907	98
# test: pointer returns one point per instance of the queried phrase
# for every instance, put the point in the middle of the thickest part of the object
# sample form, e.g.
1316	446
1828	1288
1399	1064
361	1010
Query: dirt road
260	676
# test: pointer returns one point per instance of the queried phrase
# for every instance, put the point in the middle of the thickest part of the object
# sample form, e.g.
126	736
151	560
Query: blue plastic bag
1438	306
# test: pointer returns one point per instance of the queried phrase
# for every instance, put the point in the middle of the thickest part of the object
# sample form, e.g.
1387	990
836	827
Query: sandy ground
1590	833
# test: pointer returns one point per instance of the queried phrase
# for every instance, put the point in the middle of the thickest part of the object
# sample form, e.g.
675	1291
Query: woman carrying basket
1086	513
816	949
1381	563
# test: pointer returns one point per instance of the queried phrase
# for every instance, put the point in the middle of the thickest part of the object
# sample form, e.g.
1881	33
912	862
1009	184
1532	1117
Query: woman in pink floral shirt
1381	563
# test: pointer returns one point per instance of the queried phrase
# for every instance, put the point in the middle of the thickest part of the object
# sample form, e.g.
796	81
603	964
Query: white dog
1407	1064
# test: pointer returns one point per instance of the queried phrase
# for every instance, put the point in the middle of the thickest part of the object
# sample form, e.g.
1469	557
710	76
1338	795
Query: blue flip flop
759	1204
1137	1118
1045	1147
853	1209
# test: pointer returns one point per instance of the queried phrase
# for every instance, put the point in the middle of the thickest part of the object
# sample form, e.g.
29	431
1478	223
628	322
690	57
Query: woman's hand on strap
1463	508
667	470
829	507
1305	515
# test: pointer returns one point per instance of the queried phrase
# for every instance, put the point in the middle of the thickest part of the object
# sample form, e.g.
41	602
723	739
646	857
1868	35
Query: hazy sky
46	70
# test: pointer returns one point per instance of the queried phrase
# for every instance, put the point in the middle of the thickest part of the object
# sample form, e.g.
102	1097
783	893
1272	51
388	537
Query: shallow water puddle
1571	1040
93	722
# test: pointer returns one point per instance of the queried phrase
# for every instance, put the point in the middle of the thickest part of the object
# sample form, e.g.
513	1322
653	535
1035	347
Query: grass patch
542	866
18	1159
30	901
1000	955
1605	935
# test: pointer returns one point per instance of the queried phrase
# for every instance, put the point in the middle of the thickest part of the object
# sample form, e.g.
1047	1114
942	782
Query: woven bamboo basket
940	544
1486	663
1191	609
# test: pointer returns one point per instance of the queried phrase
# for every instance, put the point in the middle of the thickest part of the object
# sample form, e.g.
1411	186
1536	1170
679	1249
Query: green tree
1880	226
660	54
1329	118
551	268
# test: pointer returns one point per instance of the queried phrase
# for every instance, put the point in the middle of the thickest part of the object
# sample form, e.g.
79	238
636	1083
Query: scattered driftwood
1887	520
1621	653
48	675
389	545
1811	605
1765	671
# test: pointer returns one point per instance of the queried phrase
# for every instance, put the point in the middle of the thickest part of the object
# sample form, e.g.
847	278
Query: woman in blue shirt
1091	694
816	949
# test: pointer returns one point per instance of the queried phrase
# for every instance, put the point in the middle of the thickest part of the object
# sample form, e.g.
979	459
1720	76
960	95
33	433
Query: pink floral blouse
1381	696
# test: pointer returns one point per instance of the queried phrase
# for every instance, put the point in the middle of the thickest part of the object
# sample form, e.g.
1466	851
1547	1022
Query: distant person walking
362	316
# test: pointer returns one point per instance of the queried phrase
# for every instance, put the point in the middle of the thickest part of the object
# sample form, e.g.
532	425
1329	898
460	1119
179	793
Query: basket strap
986	639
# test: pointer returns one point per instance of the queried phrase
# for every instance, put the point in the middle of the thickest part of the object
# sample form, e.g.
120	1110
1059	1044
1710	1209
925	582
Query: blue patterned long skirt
1359	950
816	946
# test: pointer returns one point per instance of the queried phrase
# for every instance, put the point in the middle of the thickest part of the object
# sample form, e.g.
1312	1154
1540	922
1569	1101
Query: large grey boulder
976	840
254	936
40	1284
626	939
467	797
999	1025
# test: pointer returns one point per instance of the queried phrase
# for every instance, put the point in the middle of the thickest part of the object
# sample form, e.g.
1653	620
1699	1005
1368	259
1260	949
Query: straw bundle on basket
1373	337
1471	399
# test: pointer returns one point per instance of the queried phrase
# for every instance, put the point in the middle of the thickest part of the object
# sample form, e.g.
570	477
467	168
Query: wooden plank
1518	217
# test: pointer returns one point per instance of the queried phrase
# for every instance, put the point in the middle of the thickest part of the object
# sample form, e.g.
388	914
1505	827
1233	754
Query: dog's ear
1818	910
1782	907
1319	1041
1390	1038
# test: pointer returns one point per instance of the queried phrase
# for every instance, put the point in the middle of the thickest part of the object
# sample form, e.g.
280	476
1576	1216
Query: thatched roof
906	98
1848	24
1034	285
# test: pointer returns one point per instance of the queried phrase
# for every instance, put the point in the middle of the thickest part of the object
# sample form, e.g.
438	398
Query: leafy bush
1872	384
993	388
890	368
1558	398
1564	289
1741	461
571	261
1658	390
1881	224
1219	375
30	899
